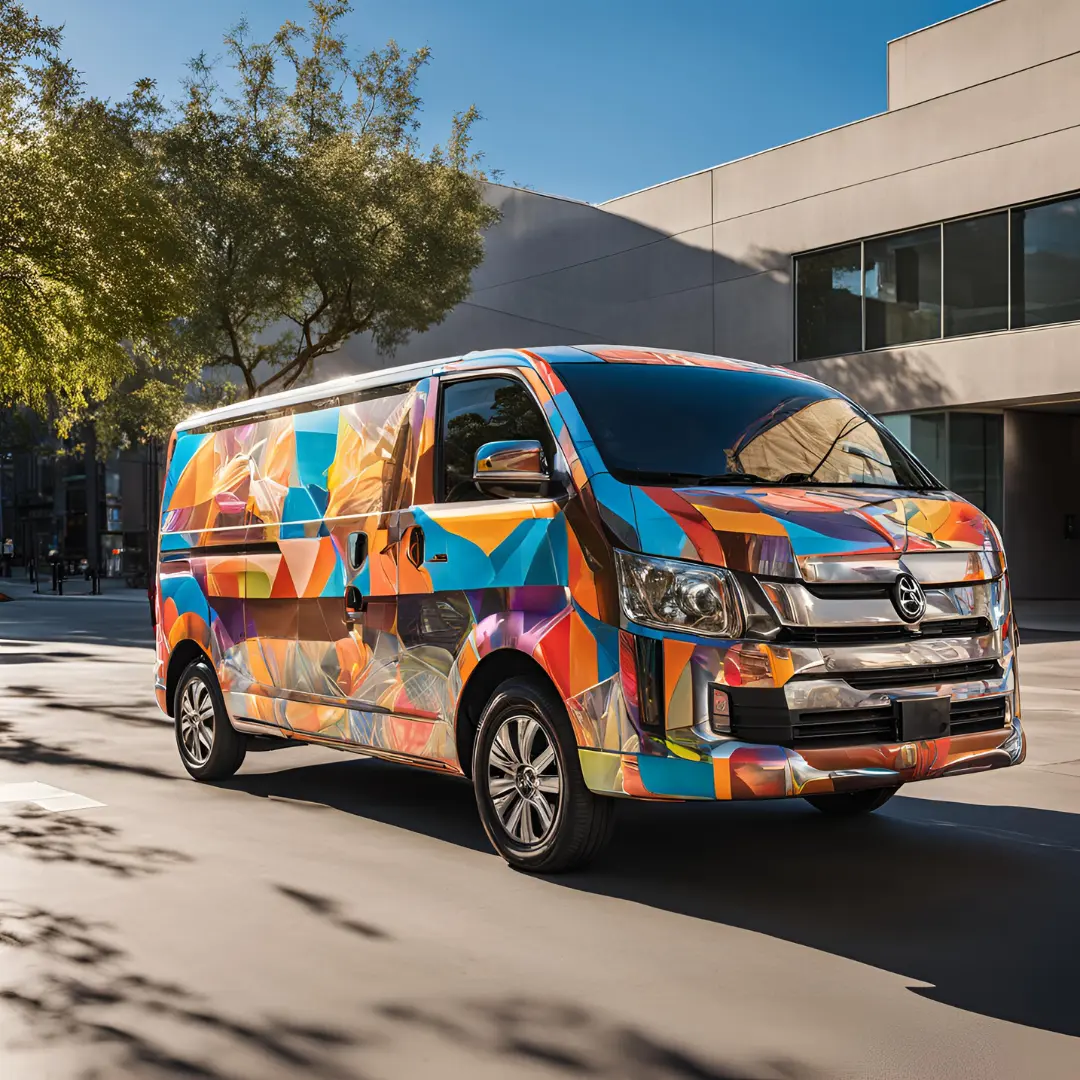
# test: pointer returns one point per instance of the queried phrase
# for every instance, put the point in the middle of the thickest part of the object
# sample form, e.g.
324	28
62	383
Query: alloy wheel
197	721
524	780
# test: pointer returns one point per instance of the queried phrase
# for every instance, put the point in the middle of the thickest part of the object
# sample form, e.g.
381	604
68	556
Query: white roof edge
942	22
345	384
539	194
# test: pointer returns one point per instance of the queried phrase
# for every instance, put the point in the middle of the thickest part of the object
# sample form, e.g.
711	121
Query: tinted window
964	449
903	287
828	302
1046	263
484	410
975	459
669	424
977	275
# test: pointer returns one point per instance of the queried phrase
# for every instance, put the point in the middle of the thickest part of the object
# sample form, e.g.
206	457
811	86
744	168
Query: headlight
674	595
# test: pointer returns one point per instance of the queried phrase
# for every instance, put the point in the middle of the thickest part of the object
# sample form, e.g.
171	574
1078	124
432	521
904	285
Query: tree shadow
77	623
65	838
82	989
19	748
144	713
569	1040
972	900
326	908
88	993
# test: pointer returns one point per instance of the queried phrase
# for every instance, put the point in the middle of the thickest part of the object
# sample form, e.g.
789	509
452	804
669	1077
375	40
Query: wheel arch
495	668
182	655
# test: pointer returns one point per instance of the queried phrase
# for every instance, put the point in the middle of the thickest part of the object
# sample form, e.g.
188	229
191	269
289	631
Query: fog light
719	711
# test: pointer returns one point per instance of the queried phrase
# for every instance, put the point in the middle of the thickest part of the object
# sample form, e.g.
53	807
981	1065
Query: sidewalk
19	587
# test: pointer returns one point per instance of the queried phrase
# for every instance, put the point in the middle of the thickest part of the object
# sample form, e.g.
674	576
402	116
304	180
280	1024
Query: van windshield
684	425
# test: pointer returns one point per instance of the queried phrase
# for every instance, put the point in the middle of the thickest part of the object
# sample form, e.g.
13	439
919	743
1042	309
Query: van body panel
283	495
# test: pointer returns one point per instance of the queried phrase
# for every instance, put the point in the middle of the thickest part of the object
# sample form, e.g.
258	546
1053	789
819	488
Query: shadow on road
68	838
979	902
21	748
87	990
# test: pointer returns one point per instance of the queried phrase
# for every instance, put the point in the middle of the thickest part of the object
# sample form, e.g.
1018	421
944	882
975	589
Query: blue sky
584	98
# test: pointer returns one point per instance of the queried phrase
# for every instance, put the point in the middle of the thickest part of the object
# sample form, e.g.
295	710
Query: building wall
984	113
704	262
967	50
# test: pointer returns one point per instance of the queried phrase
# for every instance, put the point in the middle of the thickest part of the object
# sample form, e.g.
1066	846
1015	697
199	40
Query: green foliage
88	242
254	229
313	214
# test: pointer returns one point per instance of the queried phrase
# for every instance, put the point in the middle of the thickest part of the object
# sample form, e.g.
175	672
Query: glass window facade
962	449
976	266
829	301
1010	269
902	277
1046	263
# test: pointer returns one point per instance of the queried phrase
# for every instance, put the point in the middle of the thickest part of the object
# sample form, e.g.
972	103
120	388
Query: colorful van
580	574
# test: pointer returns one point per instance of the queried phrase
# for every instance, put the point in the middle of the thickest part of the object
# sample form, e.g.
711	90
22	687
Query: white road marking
45	796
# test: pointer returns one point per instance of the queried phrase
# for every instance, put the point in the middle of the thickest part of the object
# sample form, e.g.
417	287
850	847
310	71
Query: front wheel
210	747
534	804
851	803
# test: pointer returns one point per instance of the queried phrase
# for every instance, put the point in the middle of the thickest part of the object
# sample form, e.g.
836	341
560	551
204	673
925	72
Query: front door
471	568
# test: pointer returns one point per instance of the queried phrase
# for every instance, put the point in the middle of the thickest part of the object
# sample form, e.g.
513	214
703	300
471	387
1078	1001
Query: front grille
875	635
844	725
930	675
977	714
759	716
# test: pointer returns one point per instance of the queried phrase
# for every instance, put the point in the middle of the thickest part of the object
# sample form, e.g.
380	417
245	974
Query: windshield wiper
698	479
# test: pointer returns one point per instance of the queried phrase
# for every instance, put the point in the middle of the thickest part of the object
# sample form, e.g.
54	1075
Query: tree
91	271
312	213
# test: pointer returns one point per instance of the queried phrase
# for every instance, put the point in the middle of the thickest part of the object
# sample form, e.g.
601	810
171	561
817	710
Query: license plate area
924	718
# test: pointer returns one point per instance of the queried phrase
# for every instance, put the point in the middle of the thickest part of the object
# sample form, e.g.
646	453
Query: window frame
438	487
1007	208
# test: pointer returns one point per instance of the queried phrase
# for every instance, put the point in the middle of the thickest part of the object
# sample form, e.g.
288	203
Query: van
579	574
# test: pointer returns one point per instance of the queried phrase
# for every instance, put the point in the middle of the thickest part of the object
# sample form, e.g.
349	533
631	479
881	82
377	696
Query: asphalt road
328	916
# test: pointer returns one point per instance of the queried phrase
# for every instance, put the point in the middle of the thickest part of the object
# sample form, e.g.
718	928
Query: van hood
814	533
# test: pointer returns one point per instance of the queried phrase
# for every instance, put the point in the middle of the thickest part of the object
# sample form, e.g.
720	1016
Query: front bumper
737	770
808	719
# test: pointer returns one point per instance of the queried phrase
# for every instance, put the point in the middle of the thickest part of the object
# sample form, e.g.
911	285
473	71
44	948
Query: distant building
926	261
50	502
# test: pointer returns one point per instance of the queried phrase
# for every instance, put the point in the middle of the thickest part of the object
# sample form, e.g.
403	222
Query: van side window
476	411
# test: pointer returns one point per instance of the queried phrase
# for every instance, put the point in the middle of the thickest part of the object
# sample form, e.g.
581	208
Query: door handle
355	603
416	546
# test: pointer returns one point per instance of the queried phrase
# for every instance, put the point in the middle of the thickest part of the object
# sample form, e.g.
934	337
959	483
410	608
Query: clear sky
584	98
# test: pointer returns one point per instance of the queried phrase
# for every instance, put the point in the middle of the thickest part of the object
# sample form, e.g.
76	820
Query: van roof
348	384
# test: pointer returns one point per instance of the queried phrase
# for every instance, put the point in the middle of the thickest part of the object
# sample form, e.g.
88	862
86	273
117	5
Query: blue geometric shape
677	776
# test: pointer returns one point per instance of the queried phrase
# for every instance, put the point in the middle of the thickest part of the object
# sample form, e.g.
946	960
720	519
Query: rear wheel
851	803
534	804
210	747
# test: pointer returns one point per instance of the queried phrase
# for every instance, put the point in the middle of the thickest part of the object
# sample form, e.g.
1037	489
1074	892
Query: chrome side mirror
511	467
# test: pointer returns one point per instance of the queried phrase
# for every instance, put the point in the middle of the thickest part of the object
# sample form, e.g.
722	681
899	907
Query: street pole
93	543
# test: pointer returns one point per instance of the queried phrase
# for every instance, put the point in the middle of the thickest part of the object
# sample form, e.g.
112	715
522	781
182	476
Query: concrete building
926	261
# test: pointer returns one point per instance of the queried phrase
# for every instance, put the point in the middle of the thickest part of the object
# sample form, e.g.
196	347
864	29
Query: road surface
328	916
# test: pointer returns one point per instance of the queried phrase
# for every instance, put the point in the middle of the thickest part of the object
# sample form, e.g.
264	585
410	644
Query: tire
852	803
534	804
199	712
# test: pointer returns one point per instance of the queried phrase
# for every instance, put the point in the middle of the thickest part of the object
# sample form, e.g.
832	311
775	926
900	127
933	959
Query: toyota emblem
909	599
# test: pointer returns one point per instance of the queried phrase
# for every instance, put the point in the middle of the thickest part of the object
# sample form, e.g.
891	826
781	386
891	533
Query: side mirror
512	467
